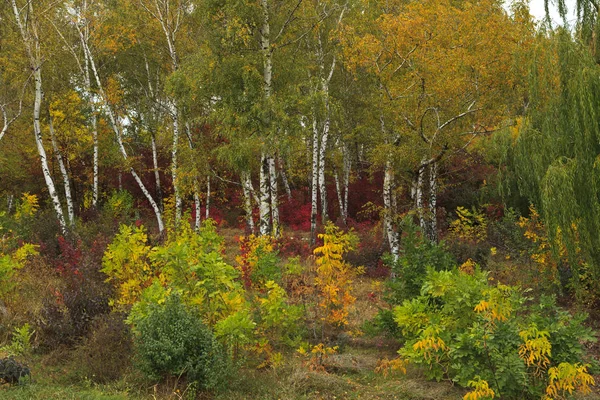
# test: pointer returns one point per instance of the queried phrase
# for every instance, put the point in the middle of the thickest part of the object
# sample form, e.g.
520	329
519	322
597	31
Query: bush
12	371
463	329
172	341
417	255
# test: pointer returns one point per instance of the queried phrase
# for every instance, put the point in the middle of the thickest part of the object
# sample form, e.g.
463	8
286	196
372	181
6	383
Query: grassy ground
350	374
352	378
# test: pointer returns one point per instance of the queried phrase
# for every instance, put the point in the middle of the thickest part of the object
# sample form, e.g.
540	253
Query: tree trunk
433	188
286	184
32	46
178	202
389	211
159	195
419	198
264	206
314	184
246	185
63	172
207	196
347	170
276	228
94	121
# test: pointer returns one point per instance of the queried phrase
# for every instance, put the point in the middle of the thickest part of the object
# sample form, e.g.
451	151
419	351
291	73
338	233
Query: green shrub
417	255
172	341
463	328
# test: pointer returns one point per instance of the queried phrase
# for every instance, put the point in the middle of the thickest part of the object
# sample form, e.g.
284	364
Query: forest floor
348	375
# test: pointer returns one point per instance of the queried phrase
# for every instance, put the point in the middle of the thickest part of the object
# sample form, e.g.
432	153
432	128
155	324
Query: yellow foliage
536	349
334	276
496	307
470	225
468	267
28	207
482	390
386	366
568	378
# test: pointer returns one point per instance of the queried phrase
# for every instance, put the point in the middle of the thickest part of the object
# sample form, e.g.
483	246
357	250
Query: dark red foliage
295	212
69	258
291	245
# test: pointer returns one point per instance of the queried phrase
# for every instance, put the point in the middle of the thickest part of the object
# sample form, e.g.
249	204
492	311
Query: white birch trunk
94	121
265	186
388	216
178	201
197	204
433	188
63	172
286	184
264	206
276	228
170	22
32	46
246	185
208	197
156	171
338	191
347	170
314	184
419	198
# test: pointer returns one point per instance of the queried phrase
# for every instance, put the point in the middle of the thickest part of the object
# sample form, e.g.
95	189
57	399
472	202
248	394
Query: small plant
12	371
21	341
334	275
317	356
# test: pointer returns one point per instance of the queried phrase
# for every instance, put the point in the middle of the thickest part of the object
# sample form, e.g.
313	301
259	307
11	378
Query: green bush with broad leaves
417	254
464	328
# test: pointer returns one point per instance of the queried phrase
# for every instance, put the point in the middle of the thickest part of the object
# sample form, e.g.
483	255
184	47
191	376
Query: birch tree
113	119
439	70
28	24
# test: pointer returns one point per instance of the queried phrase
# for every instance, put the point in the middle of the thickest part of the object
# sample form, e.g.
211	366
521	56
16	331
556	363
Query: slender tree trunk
10	198
433	188
64	173
159	195
264	206
267	186
347	169
338	191
197	204
286	184
388	216
32	46
276	228
314	184
419	197
207	196
178	201
246	185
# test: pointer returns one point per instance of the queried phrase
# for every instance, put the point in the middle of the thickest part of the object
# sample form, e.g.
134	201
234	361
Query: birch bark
246	185
63	172
31	42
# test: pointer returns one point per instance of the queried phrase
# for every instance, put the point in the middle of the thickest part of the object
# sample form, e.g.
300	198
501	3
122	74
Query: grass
352	377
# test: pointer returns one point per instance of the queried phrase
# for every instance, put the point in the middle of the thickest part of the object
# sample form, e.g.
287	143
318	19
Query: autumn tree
440	68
